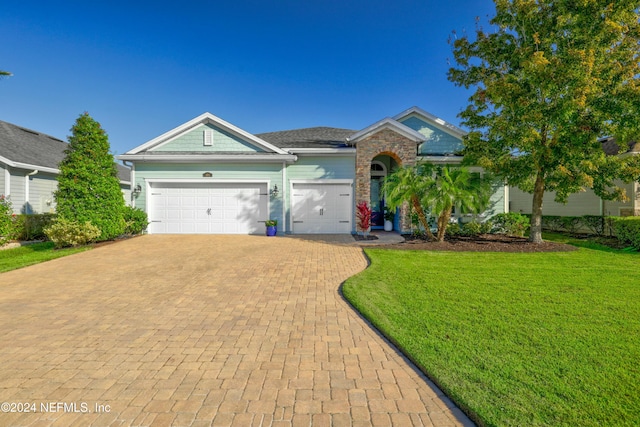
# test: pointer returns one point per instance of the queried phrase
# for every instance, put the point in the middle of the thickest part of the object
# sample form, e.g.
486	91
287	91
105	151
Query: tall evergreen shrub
88	184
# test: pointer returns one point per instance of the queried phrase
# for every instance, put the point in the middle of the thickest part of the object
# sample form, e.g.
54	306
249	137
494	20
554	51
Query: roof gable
188	137
390	124
434	121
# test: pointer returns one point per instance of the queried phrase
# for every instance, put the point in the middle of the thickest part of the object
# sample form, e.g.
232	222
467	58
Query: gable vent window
208	137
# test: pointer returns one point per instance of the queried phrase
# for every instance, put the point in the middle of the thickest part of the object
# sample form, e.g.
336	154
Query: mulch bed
482	243
361	238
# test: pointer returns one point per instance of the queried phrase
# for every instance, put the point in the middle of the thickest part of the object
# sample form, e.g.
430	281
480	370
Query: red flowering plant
363	215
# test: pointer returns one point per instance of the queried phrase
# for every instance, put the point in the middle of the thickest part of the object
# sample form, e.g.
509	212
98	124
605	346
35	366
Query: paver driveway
202	330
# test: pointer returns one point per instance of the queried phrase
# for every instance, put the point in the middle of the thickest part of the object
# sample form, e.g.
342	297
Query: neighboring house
209	176
586	202
29	167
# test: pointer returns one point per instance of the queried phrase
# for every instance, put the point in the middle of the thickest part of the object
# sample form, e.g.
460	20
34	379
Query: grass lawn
534	339
10	259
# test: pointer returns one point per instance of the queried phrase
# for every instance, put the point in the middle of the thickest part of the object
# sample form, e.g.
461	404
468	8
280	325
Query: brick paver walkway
202	330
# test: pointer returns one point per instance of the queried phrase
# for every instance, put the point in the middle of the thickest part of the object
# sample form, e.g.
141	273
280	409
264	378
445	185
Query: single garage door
208	208
321	208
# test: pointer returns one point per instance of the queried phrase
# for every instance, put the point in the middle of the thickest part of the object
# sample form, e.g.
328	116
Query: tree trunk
422	217
535	234
443	221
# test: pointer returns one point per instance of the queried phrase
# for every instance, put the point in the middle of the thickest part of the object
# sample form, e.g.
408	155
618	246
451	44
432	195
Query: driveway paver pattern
199	331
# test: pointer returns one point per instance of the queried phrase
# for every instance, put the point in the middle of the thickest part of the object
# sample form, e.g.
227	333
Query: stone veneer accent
385	142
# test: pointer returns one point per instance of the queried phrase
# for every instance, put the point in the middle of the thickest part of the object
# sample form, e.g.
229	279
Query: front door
378	174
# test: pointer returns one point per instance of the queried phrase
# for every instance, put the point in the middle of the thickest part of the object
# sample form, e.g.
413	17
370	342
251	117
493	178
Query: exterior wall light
274	192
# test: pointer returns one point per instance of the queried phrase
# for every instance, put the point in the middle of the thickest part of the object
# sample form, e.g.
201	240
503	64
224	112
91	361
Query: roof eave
207	158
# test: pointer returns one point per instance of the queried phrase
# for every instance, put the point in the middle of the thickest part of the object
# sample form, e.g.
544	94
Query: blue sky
141	68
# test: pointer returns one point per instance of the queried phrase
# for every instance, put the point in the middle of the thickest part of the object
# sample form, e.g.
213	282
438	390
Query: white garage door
208	208
321	208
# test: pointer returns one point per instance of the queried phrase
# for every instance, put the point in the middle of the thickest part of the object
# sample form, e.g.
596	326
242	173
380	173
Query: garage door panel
321	208
234	208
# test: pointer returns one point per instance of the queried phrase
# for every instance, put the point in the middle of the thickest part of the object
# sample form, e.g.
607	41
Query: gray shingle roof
316	137
611	147
23	145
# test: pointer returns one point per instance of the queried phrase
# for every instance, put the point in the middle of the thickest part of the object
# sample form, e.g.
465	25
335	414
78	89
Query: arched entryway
392	150
381	166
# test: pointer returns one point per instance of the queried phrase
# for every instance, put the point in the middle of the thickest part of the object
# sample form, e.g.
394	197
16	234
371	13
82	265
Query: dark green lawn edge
380	331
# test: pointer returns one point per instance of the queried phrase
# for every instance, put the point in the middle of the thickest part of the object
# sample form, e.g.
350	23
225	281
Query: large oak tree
551	78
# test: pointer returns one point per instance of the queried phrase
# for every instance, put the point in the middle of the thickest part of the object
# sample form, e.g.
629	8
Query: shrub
571	224
476	228
595	224
511	224
31	227
65	233
7	226
453	230
627	230
136	220
552	222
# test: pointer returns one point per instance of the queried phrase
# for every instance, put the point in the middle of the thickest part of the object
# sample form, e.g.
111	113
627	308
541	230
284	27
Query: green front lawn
536	339
10	259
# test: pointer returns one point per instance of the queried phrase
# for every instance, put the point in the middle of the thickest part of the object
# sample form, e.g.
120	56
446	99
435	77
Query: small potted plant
272	227
389	215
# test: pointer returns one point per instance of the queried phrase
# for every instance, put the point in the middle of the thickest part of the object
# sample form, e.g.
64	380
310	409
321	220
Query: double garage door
208	208
321	208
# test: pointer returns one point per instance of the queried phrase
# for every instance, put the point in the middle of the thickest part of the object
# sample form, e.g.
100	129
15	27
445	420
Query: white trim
506	198
388	123
207	158
303	151
283	196
20	165
7	182
206	180
206	118
435	120
149	181
132	201
321	181
26	184
441	159
383	172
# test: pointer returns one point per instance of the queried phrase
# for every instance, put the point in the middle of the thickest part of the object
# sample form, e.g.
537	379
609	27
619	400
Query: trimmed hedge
627	230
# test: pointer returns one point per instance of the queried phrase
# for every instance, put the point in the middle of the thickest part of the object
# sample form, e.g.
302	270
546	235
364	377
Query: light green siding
437	141
271	172
194	141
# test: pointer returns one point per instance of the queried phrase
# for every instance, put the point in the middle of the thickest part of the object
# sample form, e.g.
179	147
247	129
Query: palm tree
5	73
410	184
438	189
456	186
